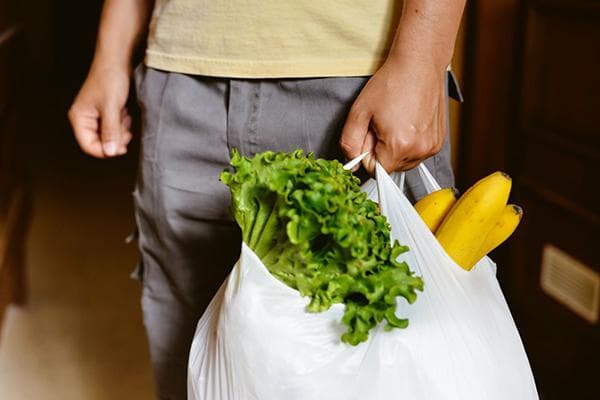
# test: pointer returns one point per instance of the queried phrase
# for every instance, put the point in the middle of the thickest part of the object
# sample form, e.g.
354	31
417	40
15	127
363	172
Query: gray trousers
188	241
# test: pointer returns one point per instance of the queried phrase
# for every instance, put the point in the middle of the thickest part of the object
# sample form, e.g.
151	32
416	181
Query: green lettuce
316	231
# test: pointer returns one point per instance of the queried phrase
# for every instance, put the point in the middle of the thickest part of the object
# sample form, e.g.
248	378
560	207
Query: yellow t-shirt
271	38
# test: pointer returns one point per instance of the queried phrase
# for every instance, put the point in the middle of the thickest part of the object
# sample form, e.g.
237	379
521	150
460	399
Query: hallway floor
80	336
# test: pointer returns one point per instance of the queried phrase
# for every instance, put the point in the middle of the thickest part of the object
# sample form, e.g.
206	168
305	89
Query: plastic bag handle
429	181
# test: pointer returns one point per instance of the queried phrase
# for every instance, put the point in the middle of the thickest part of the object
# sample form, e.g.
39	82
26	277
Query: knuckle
401	142
413	130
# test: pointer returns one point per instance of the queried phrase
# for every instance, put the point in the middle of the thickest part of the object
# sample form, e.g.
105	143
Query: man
254	75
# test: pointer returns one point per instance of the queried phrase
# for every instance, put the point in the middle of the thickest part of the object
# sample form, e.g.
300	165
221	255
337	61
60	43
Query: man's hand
98	115
399	117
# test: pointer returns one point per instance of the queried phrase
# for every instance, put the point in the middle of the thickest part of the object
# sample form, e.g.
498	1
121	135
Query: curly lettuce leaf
317	232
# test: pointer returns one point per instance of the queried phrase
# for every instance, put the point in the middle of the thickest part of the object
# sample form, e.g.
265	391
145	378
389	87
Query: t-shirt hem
261	69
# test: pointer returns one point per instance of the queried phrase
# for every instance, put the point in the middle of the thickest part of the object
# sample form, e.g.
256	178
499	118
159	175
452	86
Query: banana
434	207
466	226
504	227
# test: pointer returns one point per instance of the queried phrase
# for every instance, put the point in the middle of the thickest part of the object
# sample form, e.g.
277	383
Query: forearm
122	24
427	31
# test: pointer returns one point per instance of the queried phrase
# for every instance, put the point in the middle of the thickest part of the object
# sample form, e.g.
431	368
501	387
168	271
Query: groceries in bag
434	207
256	340
468	229
317	232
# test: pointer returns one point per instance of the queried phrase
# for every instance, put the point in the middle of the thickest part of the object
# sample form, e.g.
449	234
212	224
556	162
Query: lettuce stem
268	233
265	208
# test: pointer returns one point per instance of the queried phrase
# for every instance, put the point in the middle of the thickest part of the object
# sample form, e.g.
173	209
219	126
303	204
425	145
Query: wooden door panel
561	76
559	116
555	159
562	347
564	175
532	108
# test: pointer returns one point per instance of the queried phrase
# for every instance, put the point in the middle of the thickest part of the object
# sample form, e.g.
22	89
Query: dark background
532	108
75	329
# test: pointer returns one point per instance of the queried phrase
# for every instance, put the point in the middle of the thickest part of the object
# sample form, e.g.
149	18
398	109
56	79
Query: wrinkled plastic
256	340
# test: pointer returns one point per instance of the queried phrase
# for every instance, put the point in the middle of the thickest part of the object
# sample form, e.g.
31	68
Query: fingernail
110	148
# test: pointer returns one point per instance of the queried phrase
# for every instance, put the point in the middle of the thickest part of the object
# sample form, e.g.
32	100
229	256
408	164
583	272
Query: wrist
425	49
421	64
427	31
109	62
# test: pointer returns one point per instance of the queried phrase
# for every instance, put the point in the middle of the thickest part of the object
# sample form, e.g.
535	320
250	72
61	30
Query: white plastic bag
256	340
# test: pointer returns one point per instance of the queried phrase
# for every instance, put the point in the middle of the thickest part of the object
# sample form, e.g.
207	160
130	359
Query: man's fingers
126	122
125	139
369	145
401	152
396	154
354	132
385	156
85	128
126	135
110	130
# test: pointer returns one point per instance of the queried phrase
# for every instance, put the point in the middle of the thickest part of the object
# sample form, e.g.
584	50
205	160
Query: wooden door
532	108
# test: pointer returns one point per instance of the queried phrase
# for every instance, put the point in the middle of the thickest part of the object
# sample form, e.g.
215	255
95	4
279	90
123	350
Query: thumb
354	132
110	130
370	159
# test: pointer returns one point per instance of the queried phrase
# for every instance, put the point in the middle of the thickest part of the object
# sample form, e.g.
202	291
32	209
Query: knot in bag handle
429	181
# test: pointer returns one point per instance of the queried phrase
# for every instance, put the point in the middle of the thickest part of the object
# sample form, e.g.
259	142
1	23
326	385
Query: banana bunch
470	227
